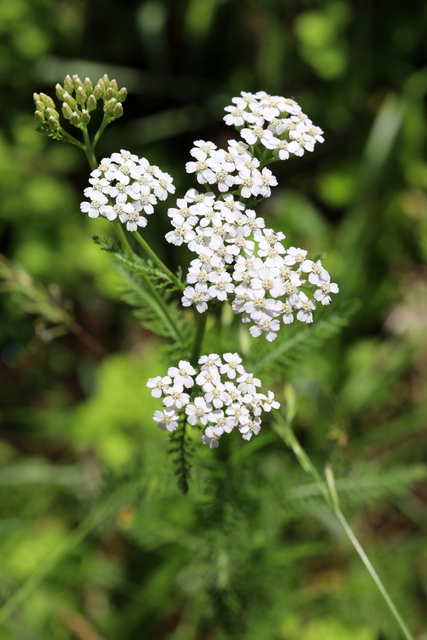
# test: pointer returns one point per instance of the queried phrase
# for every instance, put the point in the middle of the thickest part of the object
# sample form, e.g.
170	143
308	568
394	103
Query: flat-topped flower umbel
126	187
239	259
220	396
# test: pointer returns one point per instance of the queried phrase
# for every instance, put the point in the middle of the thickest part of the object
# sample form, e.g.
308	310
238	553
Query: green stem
284	430
362	555
162	309
180	285
88	149
104	123
198	339
122	237
71	139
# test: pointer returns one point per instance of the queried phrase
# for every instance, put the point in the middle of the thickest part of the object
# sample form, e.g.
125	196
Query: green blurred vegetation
96	541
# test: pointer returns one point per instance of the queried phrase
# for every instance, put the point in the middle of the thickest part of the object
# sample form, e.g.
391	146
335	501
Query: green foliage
158	313
52	133
88	535
286	351
181	451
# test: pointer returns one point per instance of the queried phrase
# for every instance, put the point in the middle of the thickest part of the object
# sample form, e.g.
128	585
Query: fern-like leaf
148	290
181	451
55	134
287	351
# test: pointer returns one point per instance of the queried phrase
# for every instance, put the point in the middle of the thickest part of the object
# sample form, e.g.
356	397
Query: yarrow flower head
275	122
219	396
239	259
126	187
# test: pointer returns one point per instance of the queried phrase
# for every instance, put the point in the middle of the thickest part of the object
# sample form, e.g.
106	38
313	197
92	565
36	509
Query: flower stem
122	237
104	123
198	339
162	309
155	258
71	139
88	149
284	430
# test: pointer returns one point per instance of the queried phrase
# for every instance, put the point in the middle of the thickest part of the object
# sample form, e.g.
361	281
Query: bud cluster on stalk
79	98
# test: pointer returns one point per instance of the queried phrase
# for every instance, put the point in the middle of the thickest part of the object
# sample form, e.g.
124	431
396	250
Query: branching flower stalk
237	259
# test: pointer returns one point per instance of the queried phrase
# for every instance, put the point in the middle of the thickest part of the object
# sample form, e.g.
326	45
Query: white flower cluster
236	167
275	122
126	187
241	260
224	397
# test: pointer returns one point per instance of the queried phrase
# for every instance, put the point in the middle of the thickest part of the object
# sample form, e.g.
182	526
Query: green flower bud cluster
79	99
46	114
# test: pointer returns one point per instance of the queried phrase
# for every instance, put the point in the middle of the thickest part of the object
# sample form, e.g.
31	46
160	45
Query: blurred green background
96	541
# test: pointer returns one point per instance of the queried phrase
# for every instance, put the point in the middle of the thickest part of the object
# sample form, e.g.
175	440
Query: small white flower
164	186
232	366
133	220
175	397
159	385
208	379
202	149
235	118
322	294
95	207
210	437
167	419
306	307
210	361
247	383
268	402
182	374
198	411
197	296
251	428
222	423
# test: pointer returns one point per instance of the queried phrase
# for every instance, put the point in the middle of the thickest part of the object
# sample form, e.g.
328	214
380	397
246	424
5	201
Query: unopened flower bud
81	96
75	119
114	87
91	103
98	91
106	80
109	93
118	111
39	117
40	106
53	123
109	107
47	100
52	113
88	86
85	117
69	84
69	100
36	97
66	111
122	94
59	90
76	81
